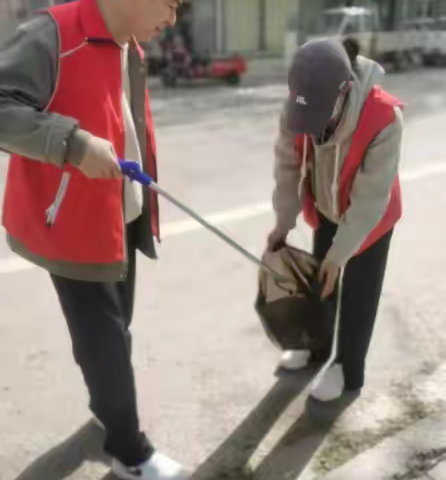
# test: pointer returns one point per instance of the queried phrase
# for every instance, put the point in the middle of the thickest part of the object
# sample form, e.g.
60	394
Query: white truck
393	47
434	48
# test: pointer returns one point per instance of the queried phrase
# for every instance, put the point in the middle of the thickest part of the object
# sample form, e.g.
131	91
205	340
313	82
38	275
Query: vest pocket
53	209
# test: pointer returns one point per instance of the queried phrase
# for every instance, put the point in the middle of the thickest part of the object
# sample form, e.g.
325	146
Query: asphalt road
207	391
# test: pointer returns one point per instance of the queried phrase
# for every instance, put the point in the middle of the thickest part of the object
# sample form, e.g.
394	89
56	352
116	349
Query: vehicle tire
429	61
409	59
169	79
397	62
233	79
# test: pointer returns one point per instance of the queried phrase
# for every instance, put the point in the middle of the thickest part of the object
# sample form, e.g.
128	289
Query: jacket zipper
53	210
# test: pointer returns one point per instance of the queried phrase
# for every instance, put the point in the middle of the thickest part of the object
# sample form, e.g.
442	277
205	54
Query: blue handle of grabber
134	172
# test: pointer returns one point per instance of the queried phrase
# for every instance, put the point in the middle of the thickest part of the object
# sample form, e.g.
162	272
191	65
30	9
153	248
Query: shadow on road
64	459
291	455
230	460
296	449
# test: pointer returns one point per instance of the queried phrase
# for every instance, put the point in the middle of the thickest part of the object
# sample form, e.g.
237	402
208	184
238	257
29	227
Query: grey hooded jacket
372	185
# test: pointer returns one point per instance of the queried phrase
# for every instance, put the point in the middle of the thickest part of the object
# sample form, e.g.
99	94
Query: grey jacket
372	185
28	75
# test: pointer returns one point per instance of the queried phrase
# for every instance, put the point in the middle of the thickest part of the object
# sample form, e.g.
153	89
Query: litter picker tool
134	172
288	303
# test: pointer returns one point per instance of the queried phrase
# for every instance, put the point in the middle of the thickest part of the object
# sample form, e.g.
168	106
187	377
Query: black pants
361	291
98	317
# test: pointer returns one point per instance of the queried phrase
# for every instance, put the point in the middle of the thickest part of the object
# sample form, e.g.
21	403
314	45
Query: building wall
277	15
242	19
204	25
404	9
14	12
309	17
260	26
422	8
245	26
10	13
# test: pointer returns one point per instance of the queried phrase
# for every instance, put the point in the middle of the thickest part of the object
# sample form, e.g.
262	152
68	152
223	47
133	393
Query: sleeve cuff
284	224
77	146
338	256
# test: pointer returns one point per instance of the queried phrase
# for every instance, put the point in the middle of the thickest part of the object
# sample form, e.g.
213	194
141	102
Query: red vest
377	114
89	227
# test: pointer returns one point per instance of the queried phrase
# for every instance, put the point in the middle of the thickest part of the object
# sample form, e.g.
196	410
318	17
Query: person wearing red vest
337	160
73	100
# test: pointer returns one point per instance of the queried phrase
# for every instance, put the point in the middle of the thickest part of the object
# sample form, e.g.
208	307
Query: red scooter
227	69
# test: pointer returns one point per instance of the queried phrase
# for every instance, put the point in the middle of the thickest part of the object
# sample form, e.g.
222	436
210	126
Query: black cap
319	71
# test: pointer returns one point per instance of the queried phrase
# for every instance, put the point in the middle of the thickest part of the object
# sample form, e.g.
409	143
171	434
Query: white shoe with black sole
294	360
158	467
331	385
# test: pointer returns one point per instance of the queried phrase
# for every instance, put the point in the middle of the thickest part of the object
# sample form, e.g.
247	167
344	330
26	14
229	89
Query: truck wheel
169	79
233	79
429	61
409	59
397	62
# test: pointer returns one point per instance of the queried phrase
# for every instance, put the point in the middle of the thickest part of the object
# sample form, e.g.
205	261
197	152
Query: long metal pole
259	263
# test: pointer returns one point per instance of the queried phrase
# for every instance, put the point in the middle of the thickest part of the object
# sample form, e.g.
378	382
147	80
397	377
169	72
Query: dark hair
352	48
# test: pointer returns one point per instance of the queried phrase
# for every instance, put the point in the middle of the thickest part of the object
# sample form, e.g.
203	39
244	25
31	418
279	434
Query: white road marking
17	264
183	226
14	264
420	173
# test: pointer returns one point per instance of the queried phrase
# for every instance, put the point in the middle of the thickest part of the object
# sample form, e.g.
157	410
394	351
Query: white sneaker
331	384
158	467
295	359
